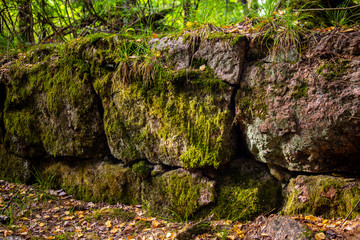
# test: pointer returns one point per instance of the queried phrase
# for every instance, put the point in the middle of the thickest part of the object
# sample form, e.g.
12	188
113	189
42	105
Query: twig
326	9
349	213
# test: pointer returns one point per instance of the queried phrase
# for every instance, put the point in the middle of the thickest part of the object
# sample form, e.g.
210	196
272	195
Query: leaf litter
29	212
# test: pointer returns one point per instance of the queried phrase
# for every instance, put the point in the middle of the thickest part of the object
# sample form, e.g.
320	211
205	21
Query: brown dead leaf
155	224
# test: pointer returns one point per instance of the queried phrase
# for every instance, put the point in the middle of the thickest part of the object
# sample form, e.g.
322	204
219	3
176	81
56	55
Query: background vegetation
27	22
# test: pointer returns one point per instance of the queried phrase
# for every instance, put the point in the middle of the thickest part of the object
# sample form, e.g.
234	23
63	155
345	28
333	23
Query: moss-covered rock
245	190
51	107
178	194
327	196
96	181
14	168
178	118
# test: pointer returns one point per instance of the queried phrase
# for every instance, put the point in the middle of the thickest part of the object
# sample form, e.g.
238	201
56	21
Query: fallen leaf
108	224
41	224
202	67
320	236
311	218
155	223
68	218
114	230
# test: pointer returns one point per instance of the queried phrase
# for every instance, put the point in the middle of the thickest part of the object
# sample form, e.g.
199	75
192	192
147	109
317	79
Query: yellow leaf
154	35
41	224
311	218
68	218
81	216
156	224
41	196
67	212
189	24
31	195
320	236
202	67
114	230
157	54
80	235
50	237
108	224
24	218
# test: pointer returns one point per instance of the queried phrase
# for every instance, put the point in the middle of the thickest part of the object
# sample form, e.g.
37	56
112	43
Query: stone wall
174	122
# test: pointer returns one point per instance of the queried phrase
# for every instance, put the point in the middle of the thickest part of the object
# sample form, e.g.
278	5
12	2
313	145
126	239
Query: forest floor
31	212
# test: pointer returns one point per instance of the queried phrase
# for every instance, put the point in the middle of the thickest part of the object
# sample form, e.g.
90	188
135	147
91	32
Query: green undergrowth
325	196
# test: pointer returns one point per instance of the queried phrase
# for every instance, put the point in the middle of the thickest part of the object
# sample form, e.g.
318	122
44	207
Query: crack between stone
101	112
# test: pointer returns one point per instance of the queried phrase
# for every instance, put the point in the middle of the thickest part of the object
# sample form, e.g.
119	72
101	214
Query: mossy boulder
178	194
51	107
178	118
245	190
326	196
96	181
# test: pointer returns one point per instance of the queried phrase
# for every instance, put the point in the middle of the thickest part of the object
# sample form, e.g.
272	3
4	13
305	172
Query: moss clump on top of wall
328	196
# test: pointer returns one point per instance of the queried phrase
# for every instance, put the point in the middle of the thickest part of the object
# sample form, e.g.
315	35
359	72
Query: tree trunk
26	21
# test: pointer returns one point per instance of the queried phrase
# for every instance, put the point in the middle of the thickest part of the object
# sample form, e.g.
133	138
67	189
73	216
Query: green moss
97	182
243	196
141	169
327	196
332	71
300	91
23	124
175	194
253	102
13	168
233	38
